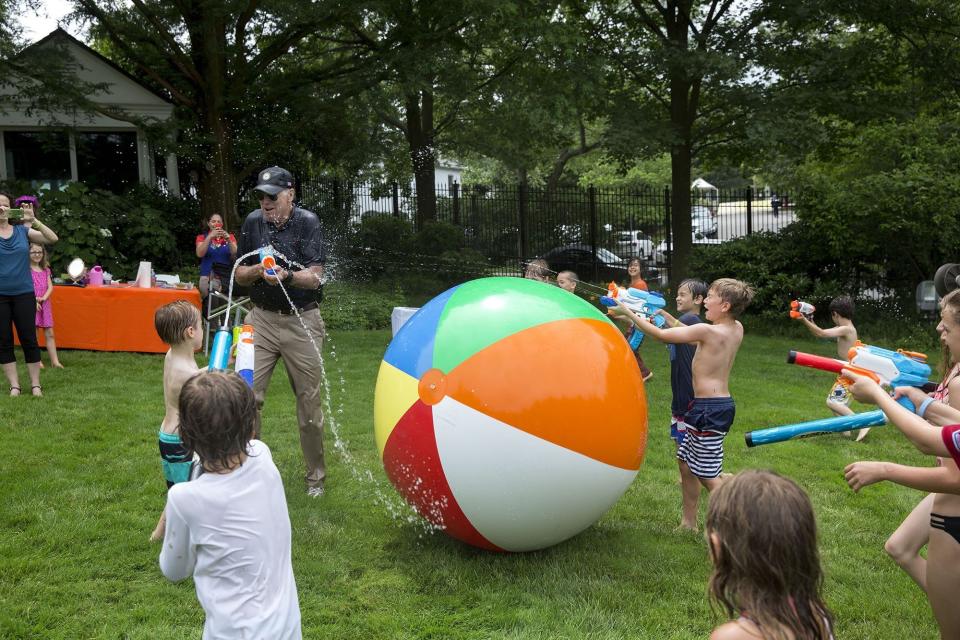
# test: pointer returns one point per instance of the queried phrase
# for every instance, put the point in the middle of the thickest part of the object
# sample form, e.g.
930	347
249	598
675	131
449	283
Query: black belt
310	306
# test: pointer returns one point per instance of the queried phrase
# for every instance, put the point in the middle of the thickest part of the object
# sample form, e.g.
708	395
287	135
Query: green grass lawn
81	489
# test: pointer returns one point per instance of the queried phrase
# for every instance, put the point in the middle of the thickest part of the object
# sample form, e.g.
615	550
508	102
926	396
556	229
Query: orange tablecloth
111	318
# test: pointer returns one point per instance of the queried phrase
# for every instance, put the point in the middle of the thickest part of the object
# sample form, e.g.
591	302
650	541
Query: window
42	158
107	160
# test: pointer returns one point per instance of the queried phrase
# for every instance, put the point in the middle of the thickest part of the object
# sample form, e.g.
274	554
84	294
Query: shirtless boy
712	410
178	325
843	331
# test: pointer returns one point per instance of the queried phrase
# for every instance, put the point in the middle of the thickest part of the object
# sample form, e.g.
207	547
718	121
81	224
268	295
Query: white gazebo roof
702	184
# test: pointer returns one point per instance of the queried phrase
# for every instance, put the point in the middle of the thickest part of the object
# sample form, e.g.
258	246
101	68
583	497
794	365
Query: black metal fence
512	224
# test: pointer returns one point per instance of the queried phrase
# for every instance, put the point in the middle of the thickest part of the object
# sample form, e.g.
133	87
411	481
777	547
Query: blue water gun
836	424
643	303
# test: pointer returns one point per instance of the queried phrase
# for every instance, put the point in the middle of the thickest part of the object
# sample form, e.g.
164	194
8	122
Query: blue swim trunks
708	422
176	460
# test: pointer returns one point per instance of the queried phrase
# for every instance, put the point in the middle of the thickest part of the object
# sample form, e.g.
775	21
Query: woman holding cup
17	301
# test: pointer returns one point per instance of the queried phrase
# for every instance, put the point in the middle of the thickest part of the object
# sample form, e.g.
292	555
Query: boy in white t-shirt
230	528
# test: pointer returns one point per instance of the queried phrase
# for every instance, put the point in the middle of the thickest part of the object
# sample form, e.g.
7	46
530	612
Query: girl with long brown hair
762	536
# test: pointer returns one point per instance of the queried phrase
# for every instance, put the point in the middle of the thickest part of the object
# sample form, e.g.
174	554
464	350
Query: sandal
14	389
37	391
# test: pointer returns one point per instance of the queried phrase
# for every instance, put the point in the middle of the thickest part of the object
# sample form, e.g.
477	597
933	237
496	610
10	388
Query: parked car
581	259
703	222
662	254
634	243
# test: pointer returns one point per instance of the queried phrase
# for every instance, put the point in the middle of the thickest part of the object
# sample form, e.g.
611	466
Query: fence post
667	223
396	199
749	210
455	195
592	208
522	221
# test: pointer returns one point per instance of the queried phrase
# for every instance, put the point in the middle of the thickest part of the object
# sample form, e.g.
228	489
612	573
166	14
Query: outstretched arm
832	333
678	335
945	479
925	437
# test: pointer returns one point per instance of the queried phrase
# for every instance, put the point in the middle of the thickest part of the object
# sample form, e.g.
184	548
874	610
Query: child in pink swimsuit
43	289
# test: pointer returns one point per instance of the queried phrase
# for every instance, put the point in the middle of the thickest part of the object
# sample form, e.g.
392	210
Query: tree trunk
419	133
218	180
682	114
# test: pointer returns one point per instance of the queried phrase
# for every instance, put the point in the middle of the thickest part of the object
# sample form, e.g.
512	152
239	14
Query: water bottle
220	351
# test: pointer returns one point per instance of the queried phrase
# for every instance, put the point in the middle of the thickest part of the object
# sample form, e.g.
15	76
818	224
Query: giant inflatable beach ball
510	413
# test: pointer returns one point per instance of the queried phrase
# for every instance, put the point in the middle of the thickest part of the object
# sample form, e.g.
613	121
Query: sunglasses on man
269	196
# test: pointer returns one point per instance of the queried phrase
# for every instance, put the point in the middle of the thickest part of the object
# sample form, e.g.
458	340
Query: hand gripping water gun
799	308
891	368
818	427
643	303
268	260
244	364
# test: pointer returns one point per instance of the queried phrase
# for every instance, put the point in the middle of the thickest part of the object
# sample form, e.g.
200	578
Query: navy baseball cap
273	180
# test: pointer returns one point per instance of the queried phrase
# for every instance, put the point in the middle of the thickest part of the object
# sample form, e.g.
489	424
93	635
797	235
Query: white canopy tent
705	194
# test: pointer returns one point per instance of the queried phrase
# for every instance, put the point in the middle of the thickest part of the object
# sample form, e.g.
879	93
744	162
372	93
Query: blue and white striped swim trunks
708	422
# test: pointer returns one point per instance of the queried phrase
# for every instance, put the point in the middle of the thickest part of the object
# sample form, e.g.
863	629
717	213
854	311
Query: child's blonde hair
950	303
45	262
765	558
173	319
735	292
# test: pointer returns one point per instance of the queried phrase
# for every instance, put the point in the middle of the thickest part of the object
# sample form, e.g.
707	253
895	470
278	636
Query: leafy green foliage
118	231
890	196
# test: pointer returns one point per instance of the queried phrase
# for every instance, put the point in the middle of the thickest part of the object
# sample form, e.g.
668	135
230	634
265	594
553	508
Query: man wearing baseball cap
294	234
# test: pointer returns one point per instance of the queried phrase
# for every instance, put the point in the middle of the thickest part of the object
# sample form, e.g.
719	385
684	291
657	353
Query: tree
434	57
545	112
242	74
688	82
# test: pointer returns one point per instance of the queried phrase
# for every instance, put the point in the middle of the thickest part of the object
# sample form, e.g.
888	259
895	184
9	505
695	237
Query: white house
52	148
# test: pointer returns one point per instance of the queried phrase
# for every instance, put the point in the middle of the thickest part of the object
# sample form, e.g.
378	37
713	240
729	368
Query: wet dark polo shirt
299	239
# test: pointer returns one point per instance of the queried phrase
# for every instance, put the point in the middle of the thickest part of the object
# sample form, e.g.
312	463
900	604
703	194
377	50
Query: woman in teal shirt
18	306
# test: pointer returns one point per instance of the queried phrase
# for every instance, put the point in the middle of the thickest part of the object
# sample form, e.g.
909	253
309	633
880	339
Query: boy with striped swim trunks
712	411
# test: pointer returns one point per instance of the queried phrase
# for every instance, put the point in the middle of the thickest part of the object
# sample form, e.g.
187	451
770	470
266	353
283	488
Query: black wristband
288	278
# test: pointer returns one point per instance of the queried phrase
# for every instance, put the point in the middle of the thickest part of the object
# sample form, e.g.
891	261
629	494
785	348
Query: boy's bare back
177	369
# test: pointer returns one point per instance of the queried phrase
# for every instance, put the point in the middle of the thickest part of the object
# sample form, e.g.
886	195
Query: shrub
118	231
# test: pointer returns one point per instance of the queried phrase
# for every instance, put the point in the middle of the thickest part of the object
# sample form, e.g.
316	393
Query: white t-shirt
232	532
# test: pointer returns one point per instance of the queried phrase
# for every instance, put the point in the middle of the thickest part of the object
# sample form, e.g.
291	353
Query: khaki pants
279	336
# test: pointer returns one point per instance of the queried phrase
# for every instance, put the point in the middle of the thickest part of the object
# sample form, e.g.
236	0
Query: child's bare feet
56	365
687	526
862	434
158	531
